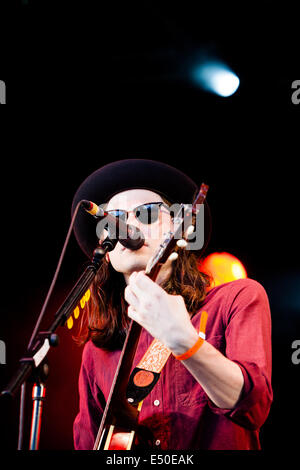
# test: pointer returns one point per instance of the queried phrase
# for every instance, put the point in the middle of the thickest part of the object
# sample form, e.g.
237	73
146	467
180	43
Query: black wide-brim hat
122	175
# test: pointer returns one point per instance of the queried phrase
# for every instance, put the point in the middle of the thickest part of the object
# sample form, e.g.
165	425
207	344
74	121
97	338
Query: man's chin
130	268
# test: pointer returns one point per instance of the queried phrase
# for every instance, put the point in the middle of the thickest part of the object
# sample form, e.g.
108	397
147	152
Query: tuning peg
190	230
173	256
181	243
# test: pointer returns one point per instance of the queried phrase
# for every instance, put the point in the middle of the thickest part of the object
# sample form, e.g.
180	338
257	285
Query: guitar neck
117	405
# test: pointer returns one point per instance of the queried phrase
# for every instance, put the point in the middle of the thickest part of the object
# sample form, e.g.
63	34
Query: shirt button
157	442
156	402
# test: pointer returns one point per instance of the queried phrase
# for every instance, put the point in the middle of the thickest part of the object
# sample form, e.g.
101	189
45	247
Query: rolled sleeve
248	344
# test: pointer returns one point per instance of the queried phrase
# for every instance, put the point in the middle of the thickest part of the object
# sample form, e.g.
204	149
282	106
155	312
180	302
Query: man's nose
132	220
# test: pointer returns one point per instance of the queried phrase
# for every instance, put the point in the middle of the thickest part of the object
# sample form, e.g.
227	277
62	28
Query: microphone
128	235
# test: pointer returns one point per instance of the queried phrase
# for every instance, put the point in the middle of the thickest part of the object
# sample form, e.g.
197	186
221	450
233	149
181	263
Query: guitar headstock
200	198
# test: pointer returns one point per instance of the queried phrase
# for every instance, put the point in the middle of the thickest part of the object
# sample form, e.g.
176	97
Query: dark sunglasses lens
148	213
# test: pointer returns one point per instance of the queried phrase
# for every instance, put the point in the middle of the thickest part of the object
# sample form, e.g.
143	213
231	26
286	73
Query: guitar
119	425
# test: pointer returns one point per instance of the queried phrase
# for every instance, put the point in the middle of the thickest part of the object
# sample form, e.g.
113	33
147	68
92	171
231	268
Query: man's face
127	261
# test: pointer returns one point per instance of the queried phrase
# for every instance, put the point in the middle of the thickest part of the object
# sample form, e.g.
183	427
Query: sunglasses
145	213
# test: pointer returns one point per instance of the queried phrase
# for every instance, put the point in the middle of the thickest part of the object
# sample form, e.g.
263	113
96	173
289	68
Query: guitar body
116	438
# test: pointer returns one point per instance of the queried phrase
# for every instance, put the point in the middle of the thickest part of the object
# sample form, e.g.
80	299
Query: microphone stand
33	365
38	397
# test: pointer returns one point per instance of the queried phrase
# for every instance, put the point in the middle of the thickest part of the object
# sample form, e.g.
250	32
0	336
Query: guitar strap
146	374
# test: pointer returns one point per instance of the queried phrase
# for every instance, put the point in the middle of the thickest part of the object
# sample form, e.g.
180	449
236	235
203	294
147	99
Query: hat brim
122	175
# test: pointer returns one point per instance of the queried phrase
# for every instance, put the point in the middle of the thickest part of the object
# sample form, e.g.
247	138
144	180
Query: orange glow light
223	267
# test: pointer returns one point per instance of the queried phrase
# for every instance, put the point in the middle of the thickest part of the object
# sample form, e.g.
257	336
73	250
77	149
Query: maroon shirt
178	411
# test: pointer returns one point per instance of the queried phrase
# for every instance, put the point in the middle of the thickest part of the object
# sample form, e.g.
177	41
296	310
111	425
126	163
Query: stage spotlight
223	267
217	78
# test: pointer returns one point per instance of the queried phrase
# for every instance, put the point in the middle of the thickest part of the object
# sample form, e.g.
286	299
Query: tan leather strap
146	374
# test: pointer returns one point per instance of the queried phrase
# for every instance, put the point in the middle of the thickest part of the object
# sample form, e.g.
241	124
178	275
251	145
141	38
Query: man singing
213	393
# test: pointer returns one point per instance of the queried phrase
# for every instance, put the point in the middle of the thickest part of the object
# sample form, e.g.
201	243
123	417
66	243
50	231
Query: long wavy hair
105	320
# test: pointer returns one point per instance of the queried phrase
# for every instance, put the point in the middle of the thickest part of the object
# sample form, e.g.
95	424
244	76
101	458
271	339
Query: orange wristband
199	342
190	351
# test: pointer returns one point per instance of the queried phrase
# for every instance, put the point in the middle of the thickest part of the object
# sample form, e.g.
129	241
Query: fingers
138	290
141	284
132	313
131	298
143	297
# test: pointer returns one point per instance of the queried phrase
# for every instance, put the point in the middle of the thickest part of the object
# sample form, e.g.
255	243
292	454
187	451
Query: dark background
87	85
